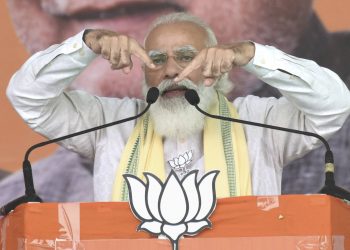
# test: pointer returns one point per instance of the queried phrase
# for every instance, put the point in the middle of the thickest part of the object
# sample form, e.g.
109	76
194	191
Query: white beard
174	117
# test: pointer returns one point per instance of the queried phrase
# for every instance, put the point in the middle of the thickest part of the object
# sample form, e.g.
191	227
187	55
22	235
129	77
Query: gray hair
222	84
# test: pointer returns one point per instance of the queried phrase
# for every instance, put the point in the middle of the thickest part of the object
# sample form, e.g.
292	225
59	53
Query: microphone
30	194
329	188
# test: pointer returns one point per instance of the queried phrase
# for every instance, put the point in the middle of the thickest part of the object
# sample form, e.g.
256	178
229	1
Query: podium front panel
269	222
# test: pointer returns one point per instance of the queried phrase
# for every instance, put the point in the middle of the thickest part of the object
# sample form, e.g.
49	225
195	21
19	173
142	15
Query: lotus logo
180	163
174	208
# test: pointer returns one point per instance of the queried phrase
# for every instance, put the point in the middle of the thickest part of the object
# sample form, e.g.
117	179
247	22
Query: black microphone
329	188
30	194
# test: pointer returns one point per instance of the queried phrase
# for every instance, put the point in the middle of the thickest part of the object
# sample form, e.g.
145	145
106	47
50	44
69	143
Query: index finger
138	51
195	64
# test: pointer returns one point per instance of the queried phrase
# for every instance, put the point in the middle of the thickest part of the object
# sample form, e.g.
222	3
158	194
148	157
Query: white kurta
314	99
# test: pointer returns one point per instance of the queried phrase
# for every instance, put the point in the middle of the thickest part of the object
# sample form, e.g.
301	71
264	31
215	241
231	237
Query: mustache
169	84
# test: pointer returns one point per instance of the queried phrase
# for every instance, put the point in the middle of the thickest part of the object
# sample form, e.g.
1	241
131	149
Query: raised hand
116	48
215	61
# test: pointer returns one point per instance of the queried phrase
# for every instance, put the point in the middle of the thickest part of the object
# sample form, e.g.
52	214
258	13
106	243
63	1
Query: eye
185	58
158	59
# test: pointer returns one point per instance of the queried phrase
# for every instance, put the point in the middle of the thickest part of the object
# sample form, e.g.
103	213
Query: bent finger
207	66
115	51
140	52
196	63
125	59
105	44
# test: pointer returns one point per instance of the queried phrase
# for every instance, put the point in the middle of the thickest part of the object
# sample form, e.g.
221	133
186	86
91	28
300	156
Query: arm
37	92
314	99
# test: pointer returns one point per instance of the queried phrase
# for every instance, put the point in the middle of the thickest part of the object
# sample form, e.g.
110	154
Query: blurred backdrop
16	137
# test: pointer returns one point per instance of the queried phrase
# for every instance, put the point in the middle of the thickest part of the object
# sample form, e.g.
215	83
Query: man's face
172	47
40	23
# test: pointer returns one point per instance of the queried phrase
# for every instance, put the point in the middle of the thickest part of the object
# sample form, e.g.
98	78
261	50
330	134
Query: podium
252	222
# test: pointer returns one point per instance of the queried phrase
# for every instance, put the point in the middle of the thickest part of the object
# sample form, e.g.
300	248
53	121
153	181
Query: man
290	25
181	52
232	20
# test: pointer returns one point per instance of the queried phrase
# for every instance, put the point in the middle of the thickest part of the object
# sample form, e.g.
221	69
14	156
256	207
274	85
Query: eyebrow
186	48
182	49
152	53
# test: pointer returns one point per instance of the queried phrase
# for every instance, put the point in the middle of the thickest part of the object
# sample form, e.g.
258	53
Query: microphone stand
330	188
30	194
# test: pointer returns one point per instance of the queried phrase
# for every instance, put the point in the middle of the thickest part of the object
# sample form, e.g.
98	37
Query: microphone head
152	95
192	96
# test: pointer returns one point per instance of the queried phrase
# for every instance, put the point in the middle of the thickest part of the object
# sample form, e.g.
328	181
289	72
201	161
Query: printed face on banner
41	23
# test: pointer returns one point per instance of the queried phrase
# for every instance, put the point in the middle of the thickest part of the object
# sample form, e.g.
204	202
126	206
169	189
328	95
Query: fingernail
176	79
152	66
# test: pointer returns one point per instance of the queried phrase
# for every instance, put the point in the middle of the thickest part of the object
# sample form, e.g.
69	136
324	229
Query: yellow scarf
225	149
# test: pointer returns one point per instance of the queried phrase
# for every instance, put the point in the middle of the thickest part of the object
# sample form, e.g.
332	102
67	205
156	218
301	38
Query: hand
216	61
116	48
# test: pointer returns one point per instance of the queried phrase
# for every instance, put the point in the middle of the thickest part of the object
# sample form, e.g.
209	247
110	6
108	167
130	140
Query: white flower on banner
174	208
180	163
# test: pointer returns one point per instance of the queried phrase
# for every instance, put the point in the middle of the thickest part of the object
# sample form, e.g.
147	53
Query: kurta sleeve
38	92
314	99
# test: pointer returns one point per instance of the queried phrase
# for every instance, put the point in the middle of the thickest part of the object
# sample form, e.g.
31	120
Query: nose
172	69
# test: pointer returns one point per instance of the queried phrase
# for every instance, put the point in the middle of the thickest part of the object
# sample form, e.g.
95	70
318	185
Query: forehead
167	37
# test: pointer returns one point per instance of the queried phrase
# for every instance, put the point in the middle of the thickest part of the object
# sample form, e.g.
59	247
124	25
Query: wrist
244	53
249	48
86	32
